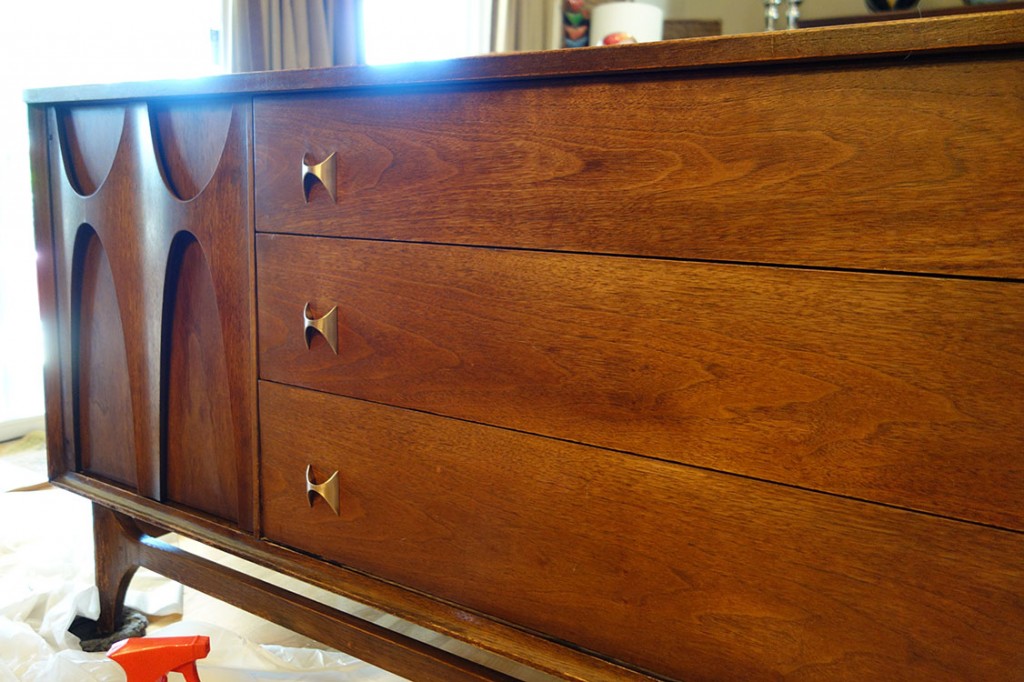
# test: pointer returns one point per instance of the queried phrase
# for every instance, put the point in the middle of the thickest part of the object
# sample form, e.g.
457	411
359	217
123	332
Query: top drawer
910	169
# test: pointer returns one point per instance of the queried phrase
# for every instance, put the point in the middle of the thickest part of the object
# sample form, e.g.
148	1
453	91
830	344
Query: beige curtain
526	25
265	35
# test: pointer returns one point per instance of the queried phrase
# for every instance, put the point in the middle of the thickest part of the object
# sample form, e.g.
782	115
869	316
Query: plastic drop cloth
46	580
26	657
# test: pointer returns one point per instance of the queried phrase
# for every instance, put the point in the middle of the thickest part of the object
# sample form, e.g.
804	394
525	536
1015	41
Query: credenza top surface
977	32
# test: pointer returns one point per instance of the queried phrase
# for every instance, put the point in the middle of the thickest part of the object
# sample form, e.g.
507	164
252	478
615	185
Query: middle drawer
903	390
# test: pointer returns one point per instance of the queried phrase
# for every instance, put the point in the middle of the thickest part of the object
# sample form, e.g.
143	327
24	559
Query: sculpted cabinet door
154	260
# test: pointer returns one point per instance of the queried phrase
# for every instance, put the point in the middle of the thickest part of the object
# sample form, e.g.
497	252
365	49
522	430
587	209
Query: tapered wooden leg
116	541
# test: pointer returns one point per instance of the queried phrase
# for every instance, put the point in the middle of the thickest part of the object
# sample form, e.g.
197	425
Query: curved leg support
117	545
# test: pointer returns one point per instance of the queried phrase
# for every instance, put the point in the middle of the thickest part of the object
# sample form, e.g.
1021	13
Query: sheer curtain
265	35
289	34
526	25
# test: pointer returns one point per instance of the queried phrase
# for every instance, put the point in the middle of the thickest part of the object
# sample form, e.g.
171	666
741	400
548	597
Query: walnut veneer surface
692	360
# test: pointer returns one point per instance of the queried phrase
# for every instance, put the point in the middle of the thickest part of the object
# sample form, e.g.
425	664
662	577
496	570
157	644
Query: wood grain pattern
907	40
444	617
189	138
104	415
690	574
136	216
904	390
116	559
122	548
90	136
726	255
856	171
201	457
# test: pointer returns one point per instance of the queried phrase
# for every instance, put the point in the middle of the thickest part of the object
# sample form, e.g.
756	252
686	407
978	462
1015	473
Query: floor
46	579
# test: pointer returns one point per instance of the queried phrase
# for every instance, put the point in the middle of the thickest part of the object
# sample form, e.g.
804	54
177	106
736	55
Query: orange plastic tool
149	659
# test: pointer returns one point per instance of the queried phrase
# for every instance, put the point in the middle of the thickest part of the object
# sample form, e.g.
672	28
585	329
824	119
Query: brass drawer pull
326	172
328	490
326	326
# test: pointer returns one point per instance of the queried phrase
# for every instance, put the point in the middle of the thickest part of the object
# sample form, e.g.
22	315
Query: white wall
746	16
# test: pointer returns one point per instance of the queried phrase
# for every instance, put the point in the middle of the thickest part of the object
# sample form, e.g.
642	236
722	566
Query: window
414	30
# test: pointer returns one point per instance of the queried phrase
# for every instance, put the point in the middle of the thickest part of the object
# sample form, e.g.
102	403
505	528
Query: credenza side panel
154	252
59	453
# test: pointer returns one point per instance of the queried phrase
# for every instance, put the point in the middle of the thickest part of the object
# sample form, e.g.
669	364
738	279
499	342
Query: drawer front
687	573
903	390
908	169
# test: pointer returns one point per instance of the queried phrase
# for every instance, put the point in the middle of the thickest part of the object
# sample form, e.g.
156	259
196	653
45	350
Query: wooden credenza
699	360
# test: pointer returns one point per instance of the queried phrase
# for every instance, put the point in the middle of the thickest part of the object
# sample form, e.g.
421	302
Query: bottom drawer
683	572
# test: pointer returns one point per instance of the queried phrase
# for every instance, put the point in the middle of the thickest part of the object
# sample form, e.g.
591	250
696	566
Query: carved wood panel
155	289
